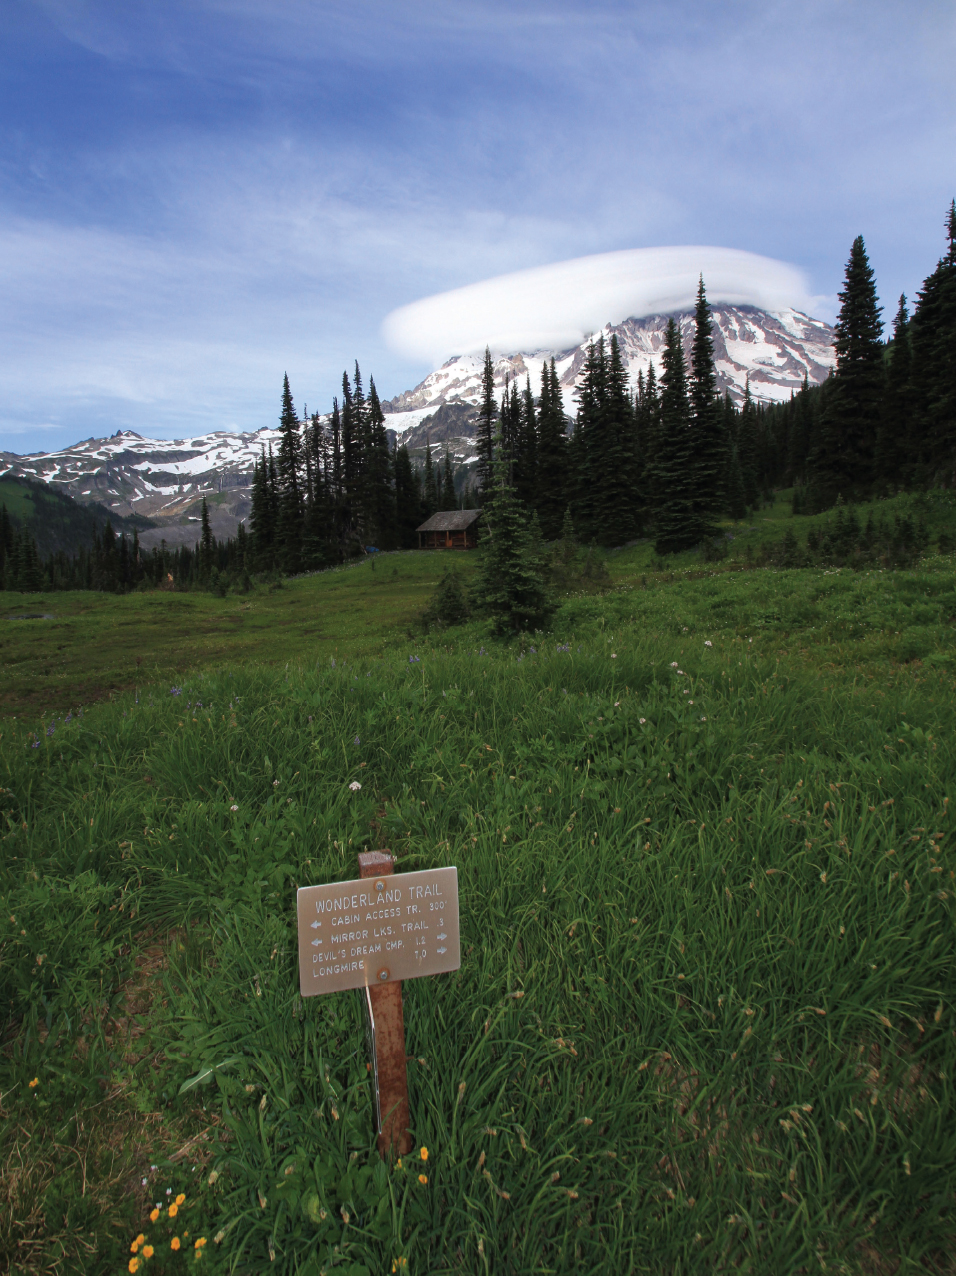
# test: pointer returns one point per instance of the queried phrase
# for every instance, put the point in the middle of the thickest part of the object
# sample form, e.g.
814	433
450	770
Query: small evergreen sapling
511	584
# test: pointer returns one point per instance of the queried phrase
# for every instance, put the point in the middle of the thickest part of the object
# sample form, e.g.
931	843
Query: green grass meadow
705	1018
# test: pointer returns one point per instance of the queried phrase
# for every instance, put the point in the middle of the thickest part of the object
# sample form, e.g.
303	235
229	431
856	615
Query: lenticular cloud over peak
553	307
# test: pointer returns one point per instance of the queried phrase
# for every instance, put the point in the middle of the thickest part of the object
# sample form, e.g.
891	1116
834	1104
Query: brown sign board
375	931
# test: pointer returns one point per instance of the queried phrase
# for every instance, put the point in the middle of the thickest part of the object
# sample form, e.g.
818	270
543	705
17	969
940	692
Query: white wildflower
673	664
234	807
642	721
708	643
355	786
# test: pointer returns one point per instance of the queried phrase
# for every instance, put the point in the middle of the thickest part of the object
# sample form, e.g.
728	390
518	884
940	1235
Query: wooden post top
375	863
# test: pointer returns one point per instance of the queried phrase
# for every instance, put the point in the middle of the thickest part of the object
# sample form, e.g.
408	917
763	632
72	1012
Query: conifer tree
273	490
893	458
510	585
800	431
843	463
380	495
933	375
648	429
590	441
448	499
261	514
710	446
430	486
552	454
337	471
736	490
526	454
205	542
290	502
677	525
622	515
485	432
748	448
409	513
6	546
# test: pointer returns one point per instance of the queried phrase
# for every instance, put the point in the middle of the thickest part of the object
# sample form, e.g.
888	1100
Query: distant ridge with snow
167	479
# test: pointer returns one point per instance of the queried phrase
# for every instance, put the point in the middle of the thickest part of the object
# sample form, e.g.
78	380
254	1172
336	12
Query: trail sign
371	934
378	929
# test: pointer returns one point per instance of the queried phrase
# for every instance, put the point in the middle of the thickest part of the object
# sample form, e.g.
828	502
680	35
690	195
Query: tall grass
704	1019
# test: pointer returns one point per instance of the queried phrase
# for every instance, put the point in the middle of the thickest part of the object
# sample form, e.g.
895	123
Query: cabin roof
450	521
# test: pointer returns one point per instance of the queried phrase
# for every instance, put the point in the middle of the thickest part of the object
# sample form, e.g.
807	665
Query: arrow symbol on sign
316	942
443	950
442	935
316	925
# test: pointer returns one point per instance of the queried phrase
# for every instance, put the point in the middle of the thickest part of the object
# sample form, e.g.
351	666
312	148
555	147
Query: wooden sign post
387	1039
371	934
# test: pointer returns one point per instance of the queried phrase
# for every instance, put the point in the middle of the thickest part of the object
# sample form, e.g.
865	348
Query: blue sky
198	195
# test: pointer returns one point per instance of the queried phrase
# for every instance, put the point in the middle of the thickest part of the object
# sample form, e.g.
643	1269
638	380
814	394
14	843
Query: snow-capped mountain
166	480
774	350
162	479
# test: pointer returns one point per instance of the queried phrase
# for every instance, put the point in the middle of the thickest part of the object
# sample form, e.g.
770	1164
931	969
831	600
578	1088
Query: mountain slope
55	520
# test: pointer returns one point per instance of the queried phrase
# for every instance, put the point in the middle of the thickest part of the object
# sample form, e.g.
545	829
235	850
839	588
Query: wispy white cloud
552	307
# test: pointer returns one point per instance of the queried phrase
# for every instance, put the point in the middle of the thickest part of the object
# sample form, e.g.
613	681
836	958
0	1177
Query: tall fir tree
447	500
380	492
933	377
748	447
621	514
430	482
677	525
511	583
648	412
206	544
409	513
289	467
486	426
710	448
801	426
526	453
893	457
590	440
551	487
843	461
261	516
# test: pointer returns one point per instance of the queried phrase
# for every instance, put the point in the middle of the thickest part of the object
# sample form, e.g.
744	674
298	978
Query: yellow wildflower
200	1242
180	1198
153	1215
424	1154
134	1264
173	1210
423	1178
147	1251
34	1082
174	1243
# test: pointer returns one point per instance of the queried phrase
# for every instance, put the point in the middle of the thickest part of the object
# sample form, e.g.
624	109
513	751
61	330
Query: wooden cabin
451	529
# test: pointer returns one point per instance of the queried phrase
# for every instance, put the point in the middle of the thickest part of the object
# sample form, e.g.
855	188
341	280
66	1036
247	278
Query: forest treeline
671	460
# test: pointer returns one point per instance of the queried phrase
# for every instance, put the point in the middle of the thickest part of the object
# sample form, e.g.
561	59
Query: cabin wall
464	539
